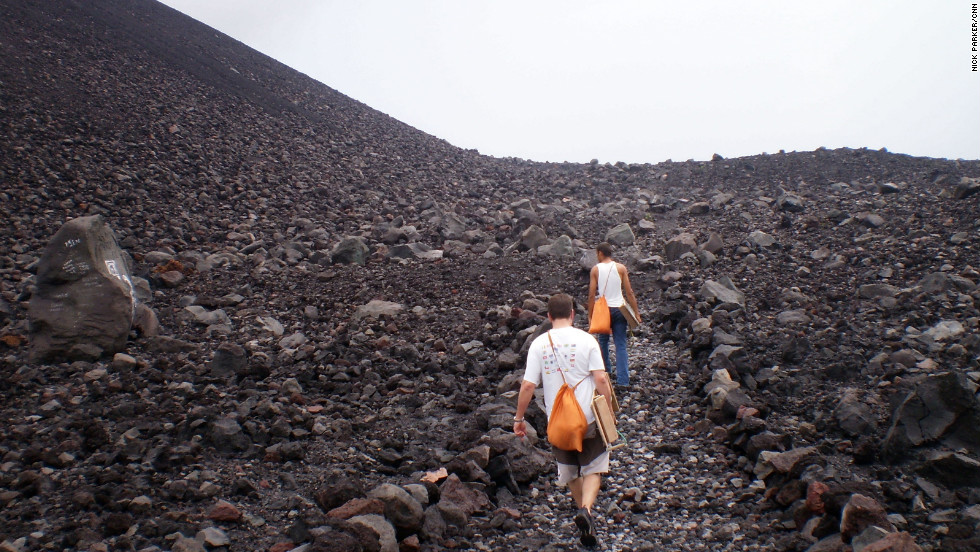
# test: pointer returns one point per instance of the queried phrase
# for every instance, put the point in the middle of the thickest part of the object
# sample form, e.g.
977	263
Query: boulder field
298	324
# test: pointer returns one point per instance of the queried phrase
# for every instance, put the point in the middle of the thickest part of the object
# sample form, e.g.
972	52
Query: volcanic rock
893	542
84	303
145	321
790	202
467	499
679	245
339	491
377	309
722	292
944	330
224	511
713	244
401	508
859	513
350	250
853	415
229	360
790	462
966	188
561	247
533	238
941	405
227	435
793	318
414	250
952	469
875	291
699	208
621	235
358	507
387	539
213	537
728	357
761	239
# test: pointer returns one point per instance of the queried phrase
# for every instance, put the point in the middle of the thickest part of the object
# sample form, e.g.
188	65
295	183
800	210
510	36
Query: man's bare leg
585	490
575	485
589	490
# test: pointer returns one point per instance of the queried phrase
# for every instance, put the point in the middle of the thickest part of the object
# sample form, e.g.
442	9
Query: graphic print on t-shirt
567	361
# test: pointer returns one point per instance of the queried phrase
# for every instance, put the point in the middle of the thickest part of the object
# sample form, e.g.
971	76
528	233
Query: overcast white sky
637	81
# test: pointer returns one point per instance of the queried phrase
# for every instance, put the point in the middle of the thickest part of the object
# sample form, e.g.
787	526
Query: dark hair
604	248
560	305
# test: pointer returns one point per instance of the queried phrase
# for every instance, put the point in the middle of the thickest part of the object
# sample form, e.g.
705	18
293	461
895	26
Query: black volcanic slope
247	174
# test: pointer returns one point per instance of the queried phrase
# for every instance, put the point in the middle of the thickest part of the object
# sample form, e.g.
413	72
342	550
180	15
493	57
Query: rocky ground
334	305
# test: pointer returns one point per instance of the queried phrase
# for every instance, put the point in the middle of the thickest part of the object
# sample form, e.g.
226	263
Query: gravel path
671	488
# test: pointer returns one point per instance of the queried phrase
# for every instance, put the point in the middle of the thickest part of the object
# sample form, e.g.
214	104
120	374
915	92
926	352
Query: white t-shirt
609	284
578	356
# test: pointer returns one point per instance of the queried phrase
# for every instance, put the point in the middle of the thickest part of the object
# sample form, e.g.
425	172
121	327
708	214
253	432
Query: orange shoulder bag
600	322
567	425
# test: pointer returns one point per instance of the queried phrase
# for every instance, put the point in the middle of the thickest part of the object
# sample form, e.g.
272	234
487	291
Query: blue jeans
619	326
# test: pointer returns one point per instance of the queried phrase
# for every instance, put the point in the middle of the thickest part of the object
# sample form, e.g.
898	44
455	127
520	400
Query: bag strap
609	275
560	371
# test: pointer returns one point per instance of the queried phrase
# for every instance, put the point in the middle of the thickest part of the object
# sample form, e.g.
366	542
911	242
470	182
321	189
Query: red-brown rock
225	511
813	501
894	542
861	512
358	507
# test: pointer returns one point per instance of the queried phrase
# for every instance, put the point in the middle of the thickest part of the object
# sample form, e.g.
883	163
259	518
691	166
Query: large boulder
790	202
621	236
227	436
350	250
587	259
414	250
941	406
562	247
877	291
377	308
452	227
762	240
463	496
401	508
853	415
731	358
533	238
714	243
791	462
387	539
527	461
229	359
85	301
679	245
966	187
862	512
952	469
894	542
722	292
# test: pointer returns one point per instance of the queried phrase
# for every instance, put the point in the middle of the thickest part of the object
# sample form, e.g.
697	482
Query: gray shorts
594	458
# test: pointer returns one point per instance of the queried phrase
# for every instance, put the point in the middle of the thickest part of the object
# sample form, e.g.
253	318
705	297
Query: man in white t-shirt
569	350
